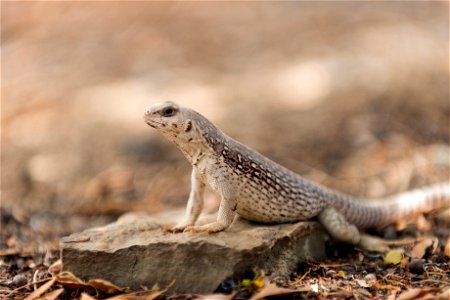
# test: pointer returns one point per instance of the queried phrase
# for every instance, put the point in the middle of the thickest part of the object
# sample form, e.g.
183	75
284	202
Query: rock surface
135	252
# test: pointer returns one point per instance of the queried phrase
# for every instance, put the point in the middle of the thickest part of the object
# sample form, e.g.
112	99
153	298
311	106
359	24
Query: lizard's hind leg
338	227
341	230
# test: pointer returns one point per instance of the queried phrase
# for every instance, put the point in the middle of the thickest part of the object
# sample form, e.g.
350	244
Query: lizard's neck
194	151
207	141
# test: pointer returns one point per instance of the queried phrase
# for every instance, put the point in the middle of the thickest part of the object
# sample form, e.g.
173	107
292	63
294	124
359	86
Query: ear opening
188	126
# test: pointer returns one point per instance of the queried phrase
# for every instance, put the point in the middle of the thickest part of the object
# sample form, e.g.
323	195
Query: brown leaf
422	223
445	295
419	250
412	294
401	225
363	292
56	267
215	297
272	290
391	296
53	294
85	296
69	280
105	286
145	295
362	283
447	248
42	289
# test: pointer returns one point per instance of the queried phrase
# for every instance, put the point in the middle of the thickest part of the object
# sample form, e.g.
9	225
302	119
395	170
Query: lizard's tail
378	213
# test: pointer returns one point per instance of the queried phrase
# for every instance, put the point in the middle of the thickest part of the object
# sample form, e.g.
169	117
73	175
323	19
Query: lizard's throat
192	151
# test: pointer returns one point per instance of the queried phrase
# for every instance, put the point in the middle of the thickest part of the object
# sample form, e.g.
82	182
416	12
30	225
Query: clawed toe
174	229
208	228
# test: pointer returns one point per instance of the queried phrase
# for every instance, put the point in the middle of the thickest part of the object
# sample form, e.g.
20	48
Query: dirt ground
352	95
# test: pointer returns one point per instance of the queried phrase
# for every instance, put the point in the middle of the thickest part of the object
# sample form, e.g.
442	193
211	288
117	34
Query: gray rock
19	280
135	252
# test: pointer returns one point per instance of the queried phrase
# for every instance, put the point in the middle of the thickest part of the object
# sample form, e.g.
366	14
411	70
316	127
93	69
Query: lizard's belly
256	200
266	205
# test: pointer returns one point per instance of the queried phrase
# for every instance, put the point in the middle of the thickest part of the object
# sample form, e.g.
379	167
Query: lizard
258	189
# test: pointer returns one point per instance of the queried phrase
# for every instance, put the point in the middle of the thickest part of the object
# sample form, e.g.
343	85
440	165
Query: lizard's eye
168	112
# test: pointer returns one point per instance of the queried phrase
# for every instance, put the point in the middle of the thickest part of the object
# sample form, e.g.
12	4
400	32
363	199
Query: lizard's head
172	120
190	131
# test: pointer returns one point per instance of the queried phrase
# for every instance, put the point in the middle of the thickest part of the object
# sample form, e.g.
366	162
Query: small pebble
416	266
370	277
439	259
226	286
19	280
390	233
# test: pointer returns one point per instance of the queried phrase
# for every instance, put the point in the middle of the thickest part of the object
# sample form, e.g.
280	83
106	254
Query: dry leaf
372	278
447	248
215	297
69	280
247	283
53	294
362	283
415	293
56	267
258	283
363	292
405	262
391	296
315	287
409	294
445	295
147	295
422	223
105	286
401	225
419	250
42	289
85	296
272	290
393	257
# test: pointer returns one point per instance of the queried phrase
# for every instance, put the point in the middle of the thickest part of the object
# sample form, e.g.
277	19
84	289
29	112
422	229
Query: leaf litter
356	275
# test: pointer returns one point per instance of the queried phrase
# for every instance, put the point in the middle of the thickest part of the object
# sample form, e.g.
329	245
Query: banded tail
381	212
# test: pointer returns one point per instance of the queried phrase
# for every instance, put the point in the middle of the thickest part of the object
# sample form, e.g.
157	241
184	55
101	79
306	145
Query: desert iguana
258	189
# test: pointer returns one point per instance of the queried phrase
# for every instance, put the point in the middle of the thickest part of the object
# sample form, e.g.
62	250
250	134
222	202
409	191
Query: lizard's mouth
152	123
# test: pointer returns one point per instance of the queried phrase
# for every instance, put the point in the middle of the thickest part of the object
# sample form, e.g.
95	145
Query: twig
304	275
28	285
35	279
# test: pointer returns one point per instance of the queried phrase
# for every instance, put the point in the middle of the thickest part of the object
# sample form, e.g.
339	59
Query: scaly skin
258	189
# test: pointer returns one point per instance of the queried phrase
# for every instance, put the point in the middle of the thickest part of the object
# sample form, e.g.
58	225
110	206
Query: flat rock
136	252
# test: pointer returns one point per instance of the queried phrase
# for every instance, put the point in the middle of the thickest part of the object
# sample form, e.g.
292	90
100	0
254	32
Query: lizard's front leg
194	204
224	218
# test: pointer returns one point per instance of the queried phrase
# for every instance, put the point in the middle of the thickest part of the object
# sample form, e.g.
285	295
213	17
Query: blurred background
352	95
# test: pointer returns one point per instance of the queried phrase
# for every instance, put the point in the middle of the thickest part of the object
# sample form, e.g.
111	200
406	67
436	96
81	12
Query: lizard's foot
180	227
174	229
208	228
338	227
373	244
376	244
